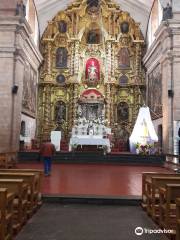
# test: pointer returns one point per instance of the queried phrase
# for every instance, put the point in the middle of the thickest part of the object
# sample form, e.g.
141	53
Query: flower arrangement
74	146
143	149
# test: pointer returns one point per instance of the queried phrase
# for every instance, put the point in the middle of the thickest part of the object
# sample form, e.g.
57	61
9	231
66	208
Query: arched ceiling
138	9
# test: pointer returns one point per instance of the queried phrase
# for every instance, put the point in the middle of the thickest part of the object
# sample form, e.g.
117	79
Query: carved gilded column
76	57
113	64
40	112
70	108
108	103
75	98
49	58
112	104
77	23
108	60
138	59
109	24
72	58
135	103
47	110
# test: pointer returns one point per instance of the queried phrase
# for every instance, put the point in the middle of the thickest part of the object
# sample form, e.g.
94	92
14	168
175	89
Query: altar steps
97	157
102	200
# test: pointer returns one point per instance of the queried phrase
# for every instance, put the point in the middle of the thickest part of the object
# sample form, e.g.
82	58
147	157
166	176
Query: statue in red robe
92	70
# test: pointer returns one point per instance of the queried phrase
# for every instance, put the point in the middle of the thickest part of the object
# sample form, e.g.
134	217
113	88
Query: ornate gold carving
86	32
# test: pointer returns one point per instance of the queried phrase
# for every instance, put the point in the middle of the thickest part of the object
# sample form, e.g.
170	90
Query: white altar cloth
96	140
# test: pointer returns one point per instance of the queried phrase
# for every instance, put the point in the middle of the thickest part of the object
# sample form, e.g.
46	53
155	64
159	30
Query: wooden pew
38	184
8	159
20	190
146	177
2	160
167	207
153	186
11	159
178	218
30	179
6	214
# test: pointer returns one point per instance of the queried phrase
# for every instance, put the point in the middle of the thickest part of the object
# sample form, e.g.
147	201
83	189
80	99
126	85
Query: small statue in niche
90	129
167	12
123	58
123	80
60	112
124	27
61	57
20	9
62	26
93	37
123	111
92	72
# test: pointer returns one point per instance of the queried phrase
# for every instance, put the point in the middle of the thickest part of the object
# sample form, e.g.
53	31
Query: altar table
89	140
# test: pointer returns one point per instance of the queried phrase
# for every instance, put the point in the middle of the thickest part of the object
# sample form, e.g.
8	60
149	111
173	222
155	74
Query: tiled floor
88	222
93	179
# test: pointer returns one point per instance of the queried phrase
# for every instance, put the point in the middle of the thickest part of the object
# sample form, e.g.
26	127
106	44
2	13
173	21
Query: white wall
31	17
154	22
156	123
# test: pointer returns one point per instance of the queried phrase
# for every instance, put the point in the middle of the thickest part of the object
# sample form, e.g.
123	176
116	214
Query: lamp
170	93
15	89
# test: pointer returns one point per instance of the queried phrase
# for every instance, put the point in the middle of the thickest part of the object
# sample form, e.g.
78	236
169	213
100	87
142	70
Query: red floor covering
94	179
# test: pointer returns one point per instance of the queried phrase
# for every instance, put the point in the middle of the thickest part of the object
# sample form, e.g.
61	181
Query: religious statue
93	37
92	72
62	26
123	80
20	9
123	58
61	57
90	130
60	112
124	27
123	111
167	12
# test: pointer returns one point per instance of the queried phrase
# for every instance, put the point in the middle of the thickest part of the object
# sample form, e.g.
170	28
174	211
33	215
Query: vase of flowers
143	149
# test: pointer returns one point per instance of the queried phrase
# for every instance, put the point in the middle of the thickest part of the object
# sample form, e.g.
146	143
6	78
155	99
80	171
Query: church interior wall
164	51
31	17
29	130
6	99
176	8
23	66
154	21
17	49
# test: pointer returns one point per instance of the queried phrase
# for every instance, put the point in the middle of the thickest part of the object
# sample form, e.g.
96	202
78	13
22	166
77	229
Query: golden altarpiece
92	66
